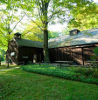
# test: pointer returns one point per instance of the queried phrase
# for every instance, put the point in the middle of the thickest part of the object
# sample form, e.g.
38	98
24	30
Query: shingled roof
83	37
29	43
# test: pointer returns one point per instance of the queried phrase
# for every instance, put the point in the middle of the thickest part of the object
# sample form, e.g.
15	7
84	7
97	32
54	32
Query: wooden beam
82	56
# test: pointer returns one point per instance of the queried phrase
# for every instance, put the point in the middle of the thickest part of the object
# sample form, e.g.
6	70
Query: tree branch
28	31
17	23
34	22
54	13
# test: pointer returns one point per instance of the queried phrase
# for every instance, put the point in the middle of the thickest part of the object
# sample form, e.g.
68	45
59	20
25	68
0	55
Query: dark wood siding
79	55
12	47
23	54
27	54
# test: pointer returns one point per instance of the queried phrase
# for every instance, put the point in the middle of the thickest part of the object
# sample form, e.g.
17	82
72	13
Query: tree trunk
46	55
0	60
44	18
0	63
8	65
7	59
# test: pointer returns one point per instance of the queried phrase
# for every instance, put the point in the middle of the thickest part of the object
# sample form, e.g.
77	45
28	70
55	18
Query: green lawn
4	66
16	84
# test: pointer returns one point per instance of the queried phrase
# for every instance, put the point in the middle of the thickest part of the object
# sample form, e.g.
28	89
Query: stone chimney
74	32
17	35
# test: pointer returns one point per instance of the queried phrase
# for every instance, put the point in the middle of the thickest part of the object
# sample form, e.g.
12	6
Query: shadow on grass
4	66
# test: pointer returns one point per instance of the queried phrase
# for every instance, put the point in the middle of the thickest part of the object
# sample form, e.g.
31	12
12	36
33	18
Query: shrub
95	56
79	74
85	71
95	74
96	50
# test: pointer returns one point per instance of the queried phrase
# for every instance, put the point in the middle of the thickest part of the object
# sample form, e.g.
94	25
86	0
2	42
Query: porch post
82	56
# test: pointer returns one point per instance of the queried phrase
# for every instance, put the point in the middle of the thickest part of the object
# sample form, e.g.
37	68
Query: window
12	54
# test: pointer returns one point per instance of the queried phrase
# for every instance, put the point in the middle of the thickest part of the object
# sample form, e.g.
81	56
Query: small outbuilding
22	51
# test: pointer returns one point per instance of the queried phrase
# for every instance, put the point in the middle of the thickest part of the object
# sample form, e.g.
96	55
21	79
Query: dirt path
9	69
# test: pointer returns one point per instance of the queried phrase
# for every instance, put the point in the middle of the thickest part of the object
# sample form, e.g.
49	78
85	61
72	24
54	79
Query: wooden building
77	47
22	51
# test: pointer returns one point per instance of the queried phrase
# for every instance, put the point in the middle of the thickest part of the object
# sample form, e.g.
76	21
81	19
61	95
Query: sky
58	27
96	1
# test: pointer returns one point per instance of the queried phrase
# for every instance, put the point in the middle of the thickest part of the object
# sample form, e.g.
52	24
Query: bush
96	50
95	56
95	74
79	74
85	71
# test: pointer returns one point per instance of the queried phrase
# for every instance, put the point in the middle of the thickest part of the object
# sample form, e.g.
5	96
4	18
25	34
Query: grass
72	73
16	84
4	66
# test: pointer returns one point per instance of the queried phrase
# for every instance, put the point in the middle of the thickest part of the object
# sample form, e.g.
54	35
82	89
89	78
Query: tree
43	12
33	32
52	35
46	11
8	22
84	17
2	52
95	56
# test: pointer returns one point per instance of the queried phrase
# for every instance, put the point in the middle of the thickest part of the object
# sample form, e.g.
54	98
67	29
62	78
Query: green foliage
83	75
2	53
16	84
95	74
95	56
66	31
96	51
86	71
84	16
33	32
53	34
8	22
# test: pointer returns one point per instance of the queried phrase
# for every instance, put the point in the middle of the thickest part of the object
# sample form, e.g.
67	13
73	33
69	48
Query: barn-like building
22	51
77	47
